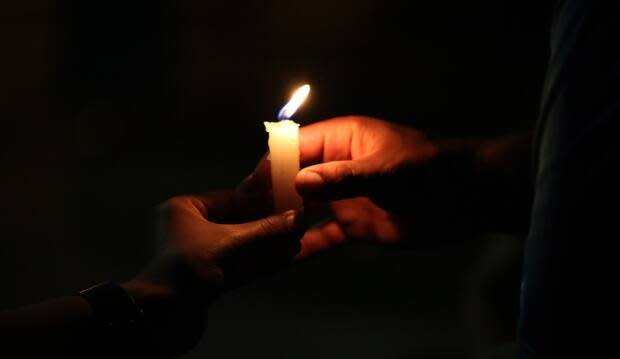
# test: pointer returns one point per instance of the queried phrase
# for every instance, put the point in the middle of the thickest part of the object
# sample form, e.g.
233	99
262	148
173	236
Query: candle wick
296	100
282	114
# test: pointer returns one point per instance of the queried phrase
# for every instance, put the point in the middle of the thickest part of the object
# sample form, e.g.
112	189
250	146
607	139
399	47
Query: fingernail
289	216
309	178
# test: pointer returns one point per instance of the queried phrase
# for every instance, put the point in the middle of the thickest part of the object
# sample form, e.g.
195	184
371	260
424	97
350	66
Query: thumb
273	226
336	179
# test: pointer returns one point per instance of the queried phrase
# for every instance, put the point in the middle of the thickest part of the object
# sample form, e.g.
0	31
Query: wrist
489	155
138	318
114	319
174	316
169	280
147	294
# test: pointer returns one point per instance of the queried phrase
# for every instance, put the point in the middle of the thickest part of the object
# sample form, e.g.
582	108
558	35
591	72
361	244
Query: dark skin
380	182
384	183
209	243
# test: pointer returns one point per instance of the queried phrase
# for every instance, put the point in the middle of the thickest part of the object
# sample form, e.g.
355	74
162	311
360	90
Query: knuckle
171	206
358	120
235	236
176	202
344	172
268	226
357	123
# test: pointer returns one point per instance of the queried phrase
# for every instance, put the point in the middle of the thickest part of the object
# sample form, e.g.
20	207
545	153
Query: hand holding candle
284	153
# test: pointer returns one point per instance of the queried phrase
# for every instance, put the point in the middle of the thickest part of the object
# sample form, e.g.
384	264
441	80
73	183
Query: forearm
57	326
68	327
489	182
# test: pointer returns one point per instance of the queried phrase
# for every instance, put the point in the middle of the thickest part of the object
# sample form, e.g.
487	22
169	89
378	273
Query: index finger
324	141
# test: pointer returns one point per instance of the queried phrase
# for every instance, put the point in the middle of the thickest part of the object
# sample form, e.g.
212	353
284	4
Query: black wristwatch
114	310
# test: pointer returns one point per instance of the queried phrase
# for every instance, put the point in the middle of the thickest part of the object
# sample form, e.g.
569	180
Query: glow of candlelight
298	98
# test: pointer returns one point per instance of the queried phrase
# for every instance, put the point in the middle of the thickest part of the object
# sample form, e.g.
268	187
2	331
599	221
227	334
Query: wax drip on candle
298	98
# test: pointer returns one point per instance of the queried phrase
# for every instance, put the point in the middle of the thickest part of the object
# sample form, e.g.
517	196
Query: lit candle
284	153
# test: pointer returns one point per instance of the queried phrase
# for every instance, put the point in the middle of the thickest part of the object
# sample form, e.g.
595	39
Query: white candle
284	155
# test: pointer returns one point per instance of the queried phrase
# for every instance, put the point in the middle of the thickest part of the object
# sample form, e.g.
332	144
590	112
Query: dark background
109	107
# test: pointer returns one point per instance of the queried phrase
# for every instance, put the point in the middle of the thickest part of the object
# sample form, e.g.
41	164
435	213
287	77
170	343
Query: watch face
112	306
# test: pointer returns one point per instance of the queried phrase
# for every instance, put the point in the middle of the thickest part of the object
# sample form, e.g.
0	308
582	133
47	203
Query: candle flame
298	98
